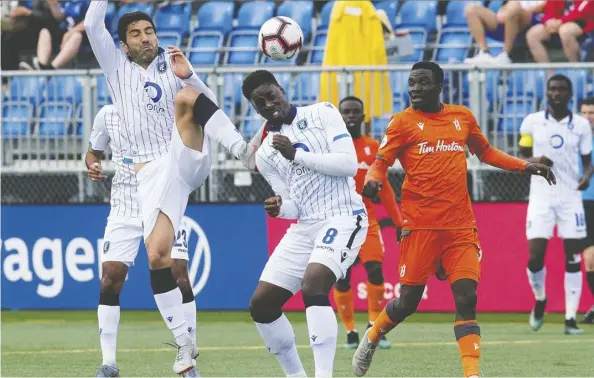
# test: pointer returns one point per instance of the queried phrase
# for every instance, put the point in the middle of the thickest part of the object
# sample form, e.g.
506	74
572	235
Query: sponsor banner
50	257
504	284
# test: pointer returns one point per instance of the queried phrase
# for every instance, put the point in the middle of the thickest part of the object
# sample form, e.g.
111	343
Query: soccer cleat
352	340
537	315
195	352
589	317
363	355
384	342
183	359
107	371
191	373
571	328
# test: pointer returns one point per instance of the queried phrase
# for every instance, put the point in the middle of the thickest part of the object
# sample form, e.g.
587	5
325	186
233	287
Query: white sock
190	315
220	128
280	341
109	319
537	282
170	307
573	291
323	334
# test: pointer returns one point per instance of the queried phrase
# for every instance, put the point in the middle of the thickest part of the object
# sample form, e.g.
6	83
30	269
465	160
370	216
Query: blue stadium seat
232	89
54	118
169	38
456	88
64	88
103	96
399	85
419	39
129	8
495	5
251	122
78	120
203	46
325	16
452	45
455	14
216	16
512	112
492	82
109	15
246	43
526	84
27	88
419	14
318	46
391	9
301	12
305	88
253	14
399	104
379	126
174	18
271	62
17	117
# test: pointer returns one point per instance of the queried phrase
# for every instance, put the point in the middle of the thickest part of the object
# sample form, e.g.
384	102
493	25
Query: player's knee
572	262
185	99
343	285
535	262
589	259
465	301
374	272
111	286
470	10
263	311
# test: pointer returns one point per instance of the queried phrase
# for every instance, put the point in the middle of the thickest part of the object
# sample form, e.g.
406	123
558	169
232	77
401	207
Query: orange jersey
367	148
432	150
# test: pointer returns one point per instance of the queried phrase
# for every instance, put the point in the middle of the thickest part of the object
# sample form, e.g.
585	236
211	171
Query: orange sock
468	334
346	308
383	324
375	300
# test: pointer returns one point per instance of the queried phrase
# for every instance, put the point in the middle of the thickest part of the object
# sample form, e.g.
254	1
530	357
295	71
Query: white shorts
544	214
122	238
165	183
334	243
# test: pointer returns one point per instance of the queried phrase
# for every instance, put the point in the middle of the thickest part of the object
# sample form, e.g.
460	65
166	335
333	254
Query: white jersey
316	196
107	130
563	142
144	99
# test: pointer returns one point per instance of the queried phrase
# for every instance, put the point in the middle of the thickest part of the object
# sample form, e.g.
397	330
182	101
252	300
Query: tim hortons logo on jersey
441	146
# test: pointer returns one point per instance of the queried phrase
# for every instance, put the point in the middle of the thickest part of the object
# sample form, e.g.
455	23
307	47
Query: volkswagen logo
199	255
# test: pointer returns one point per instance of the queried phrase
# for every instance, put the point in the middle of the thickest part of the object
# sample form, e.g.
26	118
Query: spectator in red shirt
571	26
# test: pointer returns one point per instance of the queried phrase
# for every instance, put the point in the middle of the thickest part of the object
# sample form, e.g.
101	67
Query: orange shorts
422	251
373	248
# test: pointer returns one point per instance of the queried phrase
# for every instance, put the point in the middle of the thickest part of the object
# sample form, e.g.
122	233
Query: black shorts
589	210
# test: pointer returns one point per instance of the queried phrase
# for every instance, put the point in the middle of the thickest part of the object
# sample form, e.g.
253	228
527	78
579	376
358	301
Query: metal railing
46	120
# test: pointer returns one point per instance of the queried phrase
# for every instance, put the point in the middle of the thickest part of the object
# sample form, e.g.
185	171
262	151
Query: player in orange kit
372	252
429	138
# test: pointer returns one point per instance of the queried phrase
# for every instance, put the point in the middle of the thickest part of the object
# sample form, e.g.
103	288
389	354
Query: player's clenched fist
283	145
272	206
371	188
95	172
541	170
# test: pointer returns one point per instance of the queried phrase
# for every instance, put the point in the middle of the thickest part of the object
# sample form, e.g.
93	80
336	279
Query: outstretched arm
388	200
106	52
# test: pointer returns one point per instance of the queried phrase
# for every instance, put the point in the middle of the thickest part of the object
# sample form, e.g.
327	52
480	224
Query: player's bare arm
93	163
584	182
526	154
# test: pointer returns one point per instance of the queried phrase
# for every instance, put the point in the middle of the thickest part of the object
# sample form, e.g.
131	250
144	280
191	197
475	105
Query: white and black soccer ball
280	38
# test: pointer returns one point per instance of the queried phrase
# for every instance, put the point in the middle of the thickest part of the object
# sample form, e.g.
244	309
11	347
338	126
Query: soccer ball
280	38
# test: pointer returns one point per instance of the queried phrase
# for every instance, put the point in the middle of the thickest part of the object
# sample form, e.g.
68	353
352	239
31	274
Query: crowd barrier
50	260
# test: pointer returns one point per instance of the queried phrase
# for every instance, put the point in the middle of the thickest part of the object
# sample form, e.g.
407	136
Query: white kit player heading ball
308	158
123	234
558	138
162	104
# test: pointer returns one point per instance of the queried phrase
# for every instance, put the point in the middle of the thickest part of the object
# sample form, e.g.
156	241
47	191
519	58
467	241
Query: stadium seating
203	48
495	5
54	118
128	8
305	89
103	96
301	12
64	88
243	40
452	45
316	54
27	88
455	14
216	16
174	18
16	118
324	20
418	14
253	14
251	123
512	112
391	9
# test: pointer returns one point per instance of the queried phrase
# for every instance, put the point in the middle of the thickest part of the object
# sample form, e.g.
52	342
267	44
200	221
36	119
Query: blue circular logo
302	146
153	90
556	141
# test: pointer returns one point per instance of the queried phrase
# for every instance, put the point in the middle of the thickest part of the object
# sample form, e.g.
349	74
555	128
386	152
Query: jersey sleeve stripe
340	137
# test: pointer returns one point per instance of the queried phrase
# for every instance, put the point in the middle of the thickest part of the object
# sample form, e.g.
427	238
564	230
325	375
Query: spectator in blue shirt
587	111
68	39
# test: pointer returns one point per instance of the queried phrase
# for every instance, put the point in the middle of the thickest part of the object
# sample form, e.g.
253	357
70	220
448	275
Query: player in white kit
123	235
558	138
308	158
162	113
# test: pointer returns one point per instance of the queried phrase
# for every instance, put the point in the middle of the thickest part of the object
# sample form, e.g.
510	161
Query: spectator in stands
513	18
27	19
68	38
571	26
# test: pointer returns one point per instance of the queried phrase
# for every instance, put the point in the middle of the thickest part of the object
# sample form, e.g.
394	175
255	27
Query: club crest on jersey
302	124
556	141
457	125
329	105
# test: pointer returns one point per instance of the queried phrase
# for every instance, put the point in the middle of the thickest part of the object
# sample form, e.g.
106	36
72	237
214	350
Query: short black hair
559	77
255	79
130	18
587	101
433	67
351	98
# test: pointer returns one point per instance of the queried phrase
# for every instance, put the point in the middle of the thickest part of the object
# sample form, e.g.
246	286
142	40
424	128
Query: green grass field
66	343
